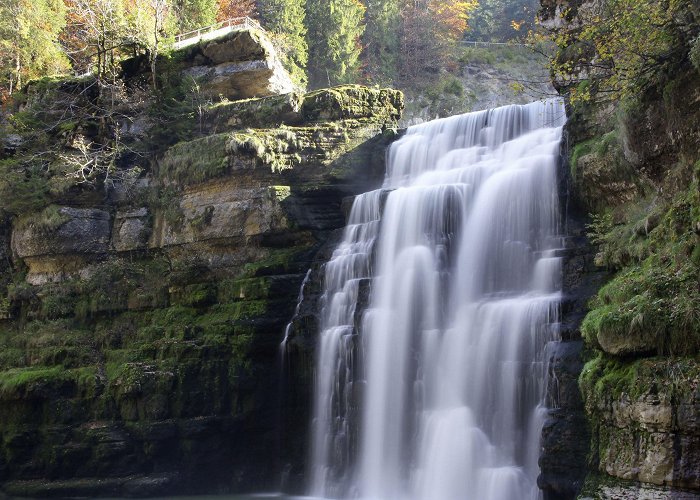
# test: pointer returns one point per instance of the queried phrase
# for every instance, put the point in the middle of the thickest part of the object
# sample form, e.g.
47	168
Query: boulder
238	65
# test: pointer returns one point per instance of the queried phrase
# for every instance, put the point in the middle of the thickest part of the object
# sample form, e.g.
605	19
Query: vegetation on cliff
628	69
152	243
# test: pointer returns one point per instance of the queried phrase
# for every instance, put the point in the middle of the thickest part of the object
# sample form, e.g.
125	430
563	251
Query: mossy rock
265	112
196	161
602	177
352	102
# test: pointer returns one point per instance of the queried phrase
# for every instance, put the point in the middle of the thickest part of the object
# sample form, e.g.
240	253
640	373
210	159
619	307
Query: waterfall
438	305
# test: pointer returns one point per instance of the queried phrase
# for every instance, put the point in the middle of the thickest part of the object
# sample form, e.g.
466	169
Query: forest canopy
321	42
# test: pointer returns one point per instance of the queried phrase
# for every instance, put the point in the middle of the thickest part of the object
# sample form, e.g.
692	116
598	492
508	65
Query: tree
430	32
154	24
381	40
493	20
193	14
616	49
285	20
335	28
229	9
29	46
95	34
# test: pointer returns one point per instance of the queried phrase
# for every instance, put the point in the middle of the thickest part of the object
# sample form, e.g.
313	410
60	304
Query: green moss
15	380
19	382
352	101
46	221
265	112
278	261
174	322
196	161
603	178
656	292
233	290
274	147
194	295
603	377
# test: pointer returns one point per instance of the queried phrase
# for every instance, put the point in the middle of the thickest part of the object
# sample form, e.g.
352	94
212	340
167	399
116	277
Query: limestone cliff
633	172
141	308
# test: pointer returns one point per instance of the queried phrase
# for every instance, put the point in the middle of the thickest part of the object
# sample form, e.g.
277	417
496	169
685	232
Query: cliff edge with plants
630	70
151	249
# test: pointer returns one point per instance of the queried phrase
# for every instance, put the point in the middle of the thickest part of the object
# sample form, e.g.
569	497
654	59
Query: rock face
646	421
239	65
566	432
634	168
140	330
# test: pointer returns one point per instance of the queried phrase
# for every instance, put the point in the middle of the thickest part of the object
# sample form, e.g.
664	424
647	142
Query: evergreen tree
285	20
194	14
29	48
335	28
381	40
493	20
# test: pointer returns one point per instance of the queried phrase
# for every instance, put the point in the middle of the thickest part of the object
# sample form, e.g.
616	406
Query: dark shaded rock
131	230
565	436
76	231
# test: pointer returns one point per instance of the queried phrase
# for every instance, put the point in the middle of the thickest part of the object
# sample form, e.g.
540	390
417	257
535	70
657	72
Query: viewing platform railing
214	30
476	43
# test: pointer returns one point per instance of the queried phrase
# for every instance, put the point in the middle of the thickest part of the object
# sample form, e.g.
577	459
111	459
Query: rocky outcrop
60	241
131	230
139	352
238	65
646	420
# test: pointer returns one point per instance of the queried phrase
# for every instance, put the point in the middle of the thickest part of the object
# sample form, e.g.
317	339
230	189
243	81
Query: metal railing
494	44
229	24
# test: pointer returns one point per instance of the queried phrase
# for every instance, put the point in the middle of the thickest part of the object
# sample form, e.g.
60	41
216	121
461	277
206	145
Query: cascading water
436	391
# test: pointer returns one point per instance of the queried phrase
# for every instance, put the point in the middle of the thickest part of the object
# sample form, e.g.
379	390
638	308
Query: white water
437	389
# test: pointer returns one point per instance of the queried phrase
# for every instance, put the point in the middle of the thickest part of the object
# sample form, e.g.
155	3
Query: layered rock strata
140	321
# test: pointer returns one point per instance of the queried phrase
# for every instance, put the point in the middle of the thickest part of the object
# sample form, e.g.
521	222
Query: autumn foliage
228	9
322	41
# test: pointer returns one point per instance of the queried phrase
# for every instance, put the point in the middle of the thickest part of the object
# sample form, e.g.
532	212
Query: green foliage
382	41
194	14
497	20
152	25
655	296
23	188
29	45
334	29
623	45
285	20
